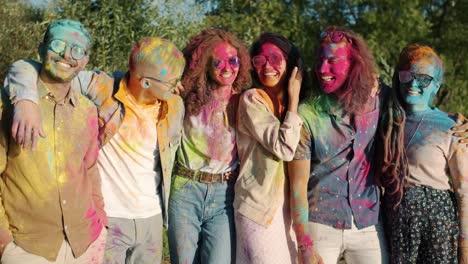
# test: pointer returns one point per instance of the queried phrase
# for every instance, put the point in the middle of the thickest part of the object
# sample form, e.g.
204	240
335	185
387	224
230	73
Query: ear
85	59
439	84
144	83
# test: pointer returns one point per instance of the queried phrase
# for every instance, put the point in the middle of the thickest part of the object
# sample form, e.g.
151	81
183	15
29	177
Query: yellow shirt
54	192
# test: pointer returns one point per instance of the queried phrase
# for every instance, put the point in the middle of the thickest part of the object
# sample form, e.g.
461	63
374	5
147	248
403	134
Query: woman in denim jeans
201	223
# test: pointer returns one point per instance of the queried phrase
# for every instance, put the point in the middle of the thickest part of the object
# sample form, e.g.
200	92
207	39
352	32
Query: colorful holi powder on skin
62	67
268	74
157	51
157	64
226	75
417	98
334	66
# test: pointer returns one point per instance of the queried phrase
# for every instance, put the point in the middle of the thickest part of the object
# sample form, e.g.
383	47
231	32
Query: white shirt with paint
128	165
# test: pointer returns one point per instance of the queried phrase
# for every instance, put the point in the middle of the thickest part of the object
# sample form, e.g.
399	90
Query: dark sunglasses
335	36
59	46
423	79
260	60
220	64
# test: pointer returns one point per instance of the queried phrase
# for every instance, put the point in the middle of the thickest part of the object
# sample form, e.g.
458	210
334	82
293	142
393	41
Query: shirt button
64	201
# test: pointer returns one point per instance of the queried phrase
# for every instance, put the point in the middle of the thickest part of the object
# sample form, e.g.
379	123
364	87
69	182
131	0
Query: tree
115	26
21	30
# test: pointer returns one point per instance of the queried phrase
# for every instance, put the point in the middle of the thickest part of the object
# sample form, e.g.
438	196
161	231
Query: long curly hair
362	74
392	160
196	81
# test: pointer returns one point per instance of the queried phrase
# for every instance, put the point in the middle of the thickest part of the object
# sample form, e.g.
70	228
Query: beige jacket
263	143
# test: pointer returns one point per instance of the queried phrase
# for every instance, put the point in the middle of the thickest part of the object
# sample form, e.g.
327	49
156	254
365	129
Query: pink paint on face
333	67
271	75
227	74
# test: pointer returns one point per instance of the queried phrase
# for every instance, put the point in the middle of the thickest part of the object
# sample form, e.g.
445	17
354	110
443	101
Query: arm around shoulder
458	167
21	80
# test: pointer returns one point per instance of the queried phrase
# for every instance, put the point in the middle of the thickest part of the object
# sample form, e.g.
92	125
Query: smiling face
333	67
224	64
417	97
61	66
270	65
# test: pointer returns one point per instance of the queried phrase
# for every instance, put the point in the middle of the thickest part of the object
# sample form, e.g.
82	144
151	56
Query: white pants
364	246
14	254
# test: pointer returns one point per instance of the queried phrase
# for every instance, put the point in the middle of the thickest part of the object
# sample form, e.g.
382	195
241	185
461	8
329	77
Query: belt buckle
205	176
196	175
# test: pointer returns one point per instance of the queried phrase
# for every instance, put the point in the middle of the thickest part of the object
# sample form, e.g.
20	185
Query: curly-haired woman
201	217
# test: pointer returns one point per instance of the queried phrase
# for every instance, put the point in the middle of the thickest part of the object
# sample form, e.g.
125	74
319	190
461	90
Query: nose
267	64
66	53
324	67
414	85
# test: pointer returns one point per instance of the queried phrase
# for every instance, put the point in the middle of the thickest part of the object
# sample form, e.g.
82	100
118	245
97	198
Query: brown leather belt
204	177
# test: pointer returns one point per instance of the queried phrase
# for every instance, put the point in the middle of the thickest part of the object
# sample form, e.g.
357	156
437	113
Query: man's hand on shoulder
461	130
27	124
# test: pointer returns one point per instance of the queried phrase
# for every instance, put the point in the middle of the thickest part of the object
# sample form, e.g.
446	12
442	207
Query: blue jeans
201	222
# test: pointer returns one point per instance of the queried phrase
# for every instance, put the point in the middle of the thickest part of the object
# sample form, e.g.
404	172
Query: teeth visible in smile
413	92
327	78
226	75
64	64
270	74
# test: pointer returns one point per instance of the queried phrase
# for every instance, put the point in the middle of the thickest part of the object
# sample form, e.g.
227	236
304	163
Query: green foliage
387	26
116	26
21	30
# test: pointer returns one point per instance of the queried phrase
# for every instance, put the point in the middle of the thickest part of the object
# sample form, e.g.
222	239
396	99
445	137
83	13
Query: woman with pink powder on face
268	130
201	215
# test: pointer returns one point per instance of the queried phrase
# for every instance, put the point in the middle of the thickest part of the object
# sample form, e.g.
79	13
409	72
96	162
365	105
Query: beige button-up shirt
53	193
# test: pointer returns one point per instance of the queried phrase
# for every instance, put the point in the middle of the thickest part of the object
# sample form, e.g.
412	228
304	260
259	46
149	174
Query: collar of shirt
71	96
124	96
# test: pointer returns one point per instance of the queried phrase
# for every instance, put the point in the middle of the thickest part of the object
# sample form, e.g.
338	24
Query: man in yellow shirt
52	207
